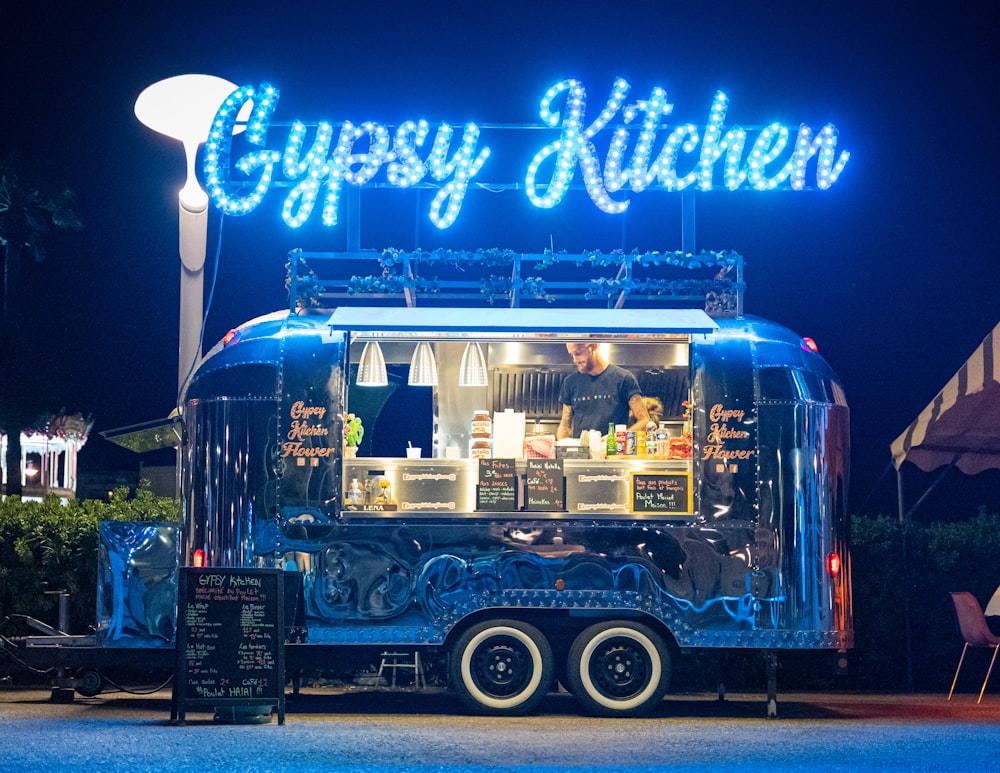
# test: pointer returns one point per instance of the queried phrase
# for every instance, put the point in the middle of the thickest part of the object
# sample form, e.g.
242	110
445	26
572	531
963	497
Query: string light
770	144
406	168
642	152
218	143
574	147
314	166
461	168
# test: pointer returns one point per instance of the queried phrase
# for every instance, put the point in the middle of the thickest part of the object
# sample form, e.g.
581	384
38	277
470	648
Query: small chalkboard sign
497	488
545	486
230	639
661	492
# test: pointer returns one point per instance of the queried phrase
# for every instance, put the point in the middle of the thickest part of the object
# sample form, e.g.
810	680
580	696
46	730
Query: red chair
992	612
975	632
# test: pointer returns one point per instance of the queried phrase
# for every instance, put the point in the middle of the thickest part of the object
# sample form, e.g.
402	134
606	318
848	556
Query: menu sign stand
545	485
497	488
661	492
230	642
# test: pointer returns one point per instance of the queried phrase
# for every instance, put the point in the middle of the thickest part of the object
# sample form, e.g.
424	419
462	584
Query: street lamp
183	108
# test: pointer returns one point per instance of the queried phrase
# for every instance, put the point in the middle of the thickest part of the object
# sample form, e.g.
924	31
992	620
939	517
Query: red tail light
833	564
199	558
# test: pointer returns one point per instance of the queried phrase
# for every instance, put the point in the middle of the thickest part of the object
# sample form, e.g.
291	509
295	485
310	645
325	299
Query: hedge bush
905	631
47	546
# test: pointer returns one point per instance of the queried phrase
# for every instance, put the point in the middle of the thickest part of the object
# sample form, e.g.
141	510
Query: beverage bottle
355	496
662	441
621	438
612	442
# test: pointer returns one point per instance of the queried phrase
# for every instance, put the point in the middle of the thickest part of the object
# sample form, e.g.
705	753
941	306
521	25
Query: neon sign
687	157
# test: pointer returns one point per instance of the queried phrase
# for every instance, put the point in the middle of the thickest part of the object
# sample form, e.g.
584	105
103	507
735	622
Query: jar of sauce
482	426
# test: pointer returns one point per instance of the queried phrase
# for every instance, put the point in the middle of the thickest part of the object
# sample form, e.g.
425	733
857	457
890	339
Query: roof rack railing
709	280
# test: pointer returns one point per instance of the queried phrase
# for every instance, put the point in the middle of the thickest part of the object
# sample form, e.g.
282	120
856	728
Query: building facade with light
48	456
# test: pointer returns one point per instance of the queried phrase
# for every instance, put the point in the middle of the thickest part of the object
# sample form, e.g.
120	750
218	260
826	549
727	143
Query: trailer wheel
88	682
619	669
501	667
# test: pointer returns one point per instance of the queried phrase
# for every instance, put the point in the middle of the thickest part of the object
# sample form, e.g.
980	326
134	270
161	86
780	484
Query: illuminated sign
640	152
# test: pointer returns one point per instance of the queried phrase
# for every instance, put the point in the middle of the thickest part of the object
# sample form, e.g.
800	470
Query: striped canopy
962	424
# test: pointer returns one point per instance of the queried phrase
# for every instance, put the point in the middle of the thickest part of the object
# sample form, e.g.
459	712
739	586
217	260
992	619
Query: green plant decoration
353	430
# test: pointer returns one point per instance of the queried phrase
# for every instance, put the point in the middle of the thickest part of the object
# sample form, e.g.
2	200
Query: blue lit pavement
404	730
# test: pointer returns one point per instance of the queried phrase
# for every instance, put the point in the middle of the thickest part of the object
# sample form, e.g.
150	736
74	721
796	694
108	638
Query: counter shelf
623	487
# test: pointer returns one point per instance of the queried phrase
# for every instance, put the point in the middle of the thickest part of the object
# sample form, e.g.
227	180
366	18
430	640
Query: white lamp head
371	367
472	371
423	366
183	107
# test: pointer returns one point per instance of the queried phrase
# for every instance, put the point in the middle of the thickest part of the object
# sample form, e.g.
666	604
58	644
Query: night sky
893	271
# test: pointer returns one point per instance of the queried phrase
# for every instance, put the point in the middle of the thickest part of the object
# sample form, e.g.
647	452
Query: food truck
400	465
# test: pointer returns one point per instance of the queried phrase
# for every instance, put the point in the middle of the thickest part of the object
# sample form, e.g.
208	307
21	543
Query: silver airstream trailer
400	467
517	561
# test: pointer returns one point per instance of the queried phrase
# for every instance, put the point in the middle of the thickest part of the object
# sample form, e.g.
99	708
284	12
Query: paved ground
34	702
402	730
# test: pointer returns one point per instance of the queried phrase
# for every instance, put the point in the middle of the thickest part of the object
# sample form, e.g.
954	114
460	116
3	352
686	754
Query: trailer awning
493	322
960	426
148	436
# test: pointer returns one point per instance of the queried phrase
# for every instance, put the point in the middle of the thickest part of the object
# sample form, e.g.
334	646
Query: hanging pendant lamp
371	369
423	366
472	371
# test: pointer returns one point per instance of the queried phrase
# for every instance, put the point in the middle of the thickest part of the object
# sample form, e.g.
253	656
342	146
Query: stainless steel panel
420	486
602	487
447	487
137	584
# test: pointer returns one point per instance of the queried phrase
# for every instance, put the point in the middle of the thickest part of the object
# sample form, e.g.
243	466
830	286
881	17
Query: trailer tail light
808	343
833	564
199	558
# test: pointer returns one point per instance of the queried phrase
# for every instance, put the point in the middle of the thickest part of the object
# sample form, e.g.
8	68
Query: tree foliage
47	546
32	203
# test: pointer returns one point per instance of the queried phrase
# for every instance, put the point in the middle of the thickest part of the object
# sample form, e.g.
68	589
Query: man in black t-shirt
598	394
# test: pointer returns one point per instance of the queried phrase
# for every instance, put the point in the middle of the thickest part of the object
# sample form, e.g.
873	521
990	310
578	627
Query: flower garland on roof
678	258
399	272
493	287
307	287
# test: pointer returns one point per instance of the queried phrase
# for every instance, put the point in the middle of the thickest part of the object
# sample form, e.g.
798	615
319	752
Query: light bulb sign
639	151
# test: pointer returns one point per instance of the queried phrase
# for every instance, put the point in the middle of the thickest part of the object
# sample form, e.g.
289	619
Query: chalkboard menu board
497	488
230	639
545	486
661	492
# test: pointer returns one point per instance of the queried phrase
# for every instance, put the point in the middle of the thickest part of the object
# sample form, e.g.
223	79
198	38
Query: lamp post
183	108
